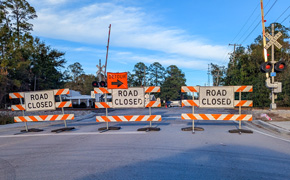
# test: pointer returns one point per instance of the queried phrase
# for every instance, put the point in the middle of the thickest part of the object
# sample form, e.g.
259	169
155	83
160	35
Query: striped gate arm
43	118
131	118
234	117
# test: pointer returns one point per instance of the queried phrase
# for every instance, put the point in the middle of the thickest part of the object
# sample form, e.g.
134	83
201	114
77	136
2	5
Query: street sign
273	74
39	101
273	40
117	80
216	97
128	98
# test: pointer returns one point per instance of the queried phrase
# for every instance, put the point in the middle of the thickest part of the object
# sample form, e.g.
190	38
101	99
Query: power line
259	22
285	18
256	20
282	14
246	22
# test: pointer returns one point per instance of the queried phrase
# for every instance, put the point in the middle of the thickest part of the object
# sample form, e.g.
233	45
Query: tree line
26	63
170	79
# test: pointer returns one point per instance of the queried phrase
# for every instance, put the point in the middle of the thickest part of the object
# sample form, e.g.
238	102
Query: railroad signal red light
95	84
280	66
103	84
266	67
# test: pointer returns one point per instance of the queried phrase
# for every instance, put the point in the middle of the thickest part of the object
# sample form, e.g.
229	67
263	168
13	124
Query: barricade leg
193	128
240	130
107	128
65	124
26	126
150	128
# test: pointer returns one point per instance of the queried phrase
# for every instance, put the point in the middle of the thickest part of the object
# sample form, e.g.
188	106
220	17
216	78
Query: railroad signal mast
273	67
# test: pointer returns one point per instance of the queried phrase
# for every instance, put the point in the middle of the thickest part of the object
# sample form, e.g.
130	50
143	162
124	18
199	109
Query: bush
4	119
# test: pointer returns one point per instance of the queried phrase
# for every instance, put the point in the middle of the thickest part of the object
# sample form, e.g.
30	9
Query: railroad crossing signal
273	40
279	66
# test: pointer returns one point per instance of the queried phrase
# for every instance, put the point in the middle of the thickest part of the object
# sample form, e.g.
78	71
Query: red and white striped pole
107	49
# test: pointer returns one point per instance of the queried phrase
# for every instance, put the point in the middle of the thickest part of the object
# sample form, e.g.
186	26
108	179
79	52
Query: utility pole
234	50
208	73
144	75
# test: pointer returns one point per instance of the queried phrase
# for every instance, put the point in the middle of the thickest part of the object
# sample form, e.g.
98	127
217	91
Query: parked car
173	104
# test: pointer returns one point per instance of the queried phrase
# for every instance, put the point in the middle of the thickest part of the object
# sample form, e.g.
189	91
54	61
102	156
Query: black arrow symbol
118	83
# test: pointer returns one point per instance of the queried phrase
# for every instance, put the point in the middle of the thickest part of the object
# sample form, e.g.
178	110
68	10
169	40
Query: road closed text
216	97
37	101
132	97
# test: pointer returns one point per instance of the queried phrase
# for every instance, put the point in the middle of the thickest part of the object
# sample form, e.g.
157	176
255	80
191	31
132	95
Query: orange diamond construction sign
117	80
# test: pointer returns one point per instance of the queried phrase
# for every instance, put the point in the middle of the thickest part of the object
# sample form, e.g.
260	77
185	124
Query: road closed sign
216	97
39	101
128	98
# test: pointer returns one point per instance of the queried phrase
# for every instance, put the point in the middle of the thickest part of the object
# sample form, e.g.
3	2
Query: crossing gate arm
43	118
133	118
103	105
190	89
102	91
225	117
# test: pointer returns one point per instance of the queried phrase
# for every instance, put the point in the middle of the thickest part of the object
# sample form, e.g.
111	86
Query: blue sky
187	33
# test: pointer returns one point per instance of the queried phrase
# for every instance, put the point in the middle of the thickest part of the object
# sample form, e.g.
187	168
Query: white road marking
72	134
268	135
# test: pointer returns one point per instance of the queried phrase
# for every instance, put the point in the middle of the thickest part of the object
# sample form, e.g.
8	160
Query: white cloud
131	28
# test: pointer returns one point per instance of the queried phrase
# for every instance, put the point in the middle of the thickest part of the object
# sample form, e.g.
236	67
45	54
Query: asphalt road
86	153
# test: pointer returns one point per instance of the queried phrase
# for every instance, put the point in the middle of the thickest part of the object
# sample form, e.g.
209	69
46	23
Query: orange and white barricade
217	91
129	118
22	107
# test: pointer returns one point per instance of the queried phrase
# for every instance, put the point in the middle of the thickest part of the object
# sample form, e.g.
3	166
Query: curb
271	127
